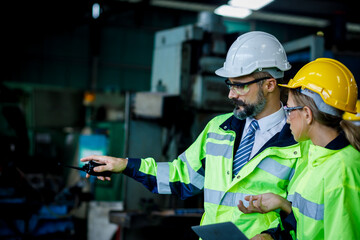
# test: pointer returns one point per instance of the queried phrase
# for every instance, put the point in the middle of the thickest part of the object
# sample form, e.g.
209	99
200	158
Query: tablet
219	231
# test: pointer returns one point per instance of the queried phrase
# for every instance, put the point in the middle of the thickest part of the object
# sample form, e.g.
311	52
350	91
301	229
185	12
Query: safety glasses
288	110
242	88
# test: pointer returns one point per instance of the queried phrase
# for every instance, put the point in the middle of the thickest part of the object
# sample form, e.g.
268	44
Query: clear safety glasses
288	110
242	88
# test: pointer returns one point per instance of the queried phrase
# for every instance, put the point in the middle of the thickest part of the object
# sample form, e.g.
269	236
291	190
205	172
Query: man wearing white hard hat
245	152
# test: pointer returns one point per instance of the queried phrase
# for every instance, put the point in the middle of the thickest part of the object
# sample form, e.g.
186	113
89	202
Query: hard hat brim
221	72
226	74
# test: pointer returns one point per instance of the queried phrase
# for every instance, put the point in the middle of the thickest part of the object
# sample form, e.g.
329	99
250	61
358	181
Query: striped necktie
243	153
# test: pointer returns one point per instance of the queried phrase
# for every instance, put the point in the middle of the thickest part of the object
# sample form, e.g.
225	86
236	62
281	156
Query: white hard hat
255	51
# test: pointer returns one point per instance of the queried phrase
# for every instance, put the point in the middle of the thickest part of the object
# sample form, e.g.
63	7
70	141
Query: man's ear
270	84
308	115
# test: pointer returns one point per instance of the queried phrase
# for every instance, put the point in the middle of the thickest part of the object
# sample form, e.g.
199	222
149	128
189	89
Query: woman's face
296	119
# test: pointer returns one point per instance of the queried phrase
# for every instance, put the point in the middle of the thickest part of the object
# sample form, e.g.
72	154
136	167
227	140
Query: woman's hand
265	203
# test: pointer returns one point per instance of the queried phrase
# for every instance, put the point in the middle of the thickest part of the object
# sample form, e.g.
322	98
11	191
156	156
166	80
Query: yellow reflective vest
325	193
206	166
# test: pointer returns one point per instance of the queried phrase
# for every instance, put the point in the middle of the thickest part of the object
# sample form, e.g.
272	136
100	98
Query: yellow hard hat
353	117
331	79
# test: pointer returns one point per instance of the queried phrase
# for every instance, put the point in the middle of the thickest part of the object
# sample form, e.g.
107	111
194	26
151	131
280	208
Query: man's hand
112	164
265	203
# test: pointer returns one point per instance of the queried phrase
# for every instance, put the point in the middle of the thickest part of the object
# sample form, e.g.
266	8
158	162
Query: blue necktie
243	153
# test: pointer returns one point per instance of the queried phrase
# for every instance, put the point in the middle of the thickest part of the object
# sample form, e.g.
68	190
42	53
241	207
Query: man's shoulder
223	121
220	119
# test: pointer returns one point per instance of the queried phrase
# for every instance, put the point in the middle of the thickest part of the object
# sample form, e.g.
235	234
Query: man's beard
249	110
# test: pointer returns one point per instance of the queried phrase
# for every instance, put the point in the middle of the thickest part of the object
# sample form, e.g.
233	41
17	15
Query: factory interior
128	78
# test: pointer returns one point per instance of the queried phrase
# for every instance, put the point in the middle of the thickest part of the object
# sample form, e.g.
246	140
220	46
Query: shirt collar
268	122
338	143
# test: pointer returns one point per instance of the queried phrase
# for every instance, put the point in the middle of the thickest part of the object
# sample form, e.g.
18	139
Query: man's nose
232	94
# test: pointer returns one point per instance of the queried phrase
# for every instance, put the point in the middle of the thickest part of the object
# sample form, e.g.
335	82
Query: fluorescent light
250	4
95	10
290	19
234	12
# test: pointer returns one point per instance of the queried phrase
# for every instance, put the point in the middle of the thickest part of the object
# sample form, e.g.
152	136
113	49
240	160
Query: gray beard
251	110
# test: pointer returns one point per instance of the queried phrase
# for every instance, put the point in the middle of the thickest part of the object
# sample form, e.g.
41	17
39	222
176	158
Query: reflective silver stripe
212	196
215	149
162	177
273	167
229	199
220	136
196	179
232	199
306	207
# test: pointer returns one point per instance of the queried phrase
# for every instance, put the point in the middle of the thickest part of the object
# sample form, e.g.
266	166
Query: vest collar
233	124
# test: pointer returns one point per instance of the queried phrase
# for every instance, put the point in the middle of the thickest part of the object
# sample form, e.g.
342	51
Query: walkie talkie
89	168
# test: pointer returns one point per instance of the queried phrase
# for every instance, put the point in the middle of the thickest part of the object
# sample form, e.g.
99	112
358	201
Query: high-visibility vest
207	166
325	193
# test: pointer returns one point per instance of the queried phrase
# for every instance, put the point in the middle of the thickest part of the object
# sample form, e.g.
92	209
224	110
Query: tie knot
253	126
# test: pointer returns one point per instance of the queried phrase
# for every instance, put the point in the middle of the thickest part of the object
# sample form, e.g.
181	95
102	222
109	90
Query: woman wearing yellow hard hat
324	193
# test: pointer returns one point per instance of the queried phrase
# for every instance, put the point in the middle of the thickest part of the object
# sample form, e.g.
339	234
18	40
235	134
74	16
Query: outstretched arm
183	176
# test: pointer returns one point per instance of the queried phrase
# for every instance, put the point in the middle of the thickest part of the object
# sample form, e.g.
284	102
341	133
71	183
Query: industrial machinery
185	59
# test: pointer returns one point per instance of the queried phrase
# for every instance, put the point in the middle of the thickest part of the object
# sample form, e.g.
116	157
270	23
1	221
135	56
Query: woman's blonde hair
352	132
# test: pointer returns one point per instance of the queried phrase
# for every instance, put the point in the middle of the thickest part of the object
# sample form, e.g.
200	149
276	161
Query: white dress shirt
268	127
